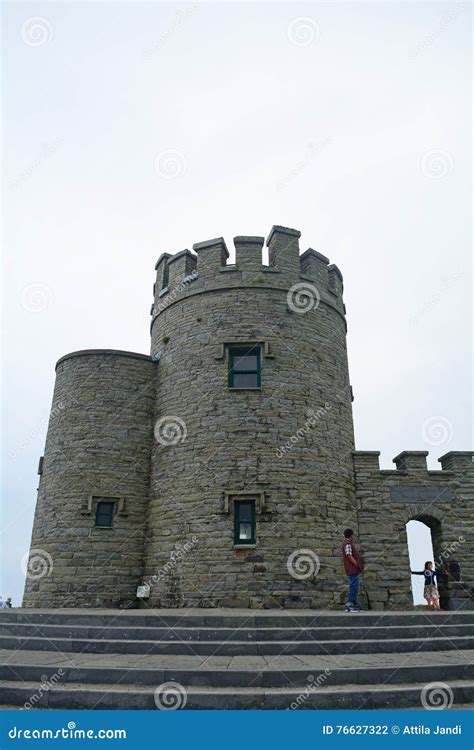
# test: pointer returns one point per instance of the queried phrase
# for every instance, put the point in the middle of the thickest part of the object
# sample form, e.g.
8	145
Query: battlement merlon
335	280
284	250
366	461
411	461
248	253
180	266
161	268
315	266
462	462
211	256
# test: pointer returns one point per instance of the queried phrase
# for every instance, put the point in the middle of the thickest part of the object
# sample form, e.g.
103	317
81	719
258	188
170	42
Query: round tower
251	470
88	536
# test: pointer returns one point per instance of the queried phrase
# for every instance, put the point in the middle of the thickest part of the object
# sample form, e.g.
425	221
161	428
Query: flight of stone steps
235	659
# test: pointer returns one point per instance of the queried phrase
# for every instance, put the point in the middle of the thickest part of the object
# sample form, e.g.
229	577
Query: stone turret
220	470
286	444
97	451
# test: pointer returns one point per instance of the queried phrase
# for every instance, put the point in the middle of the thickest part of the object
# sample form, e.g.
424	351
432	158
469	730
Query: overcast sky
131	129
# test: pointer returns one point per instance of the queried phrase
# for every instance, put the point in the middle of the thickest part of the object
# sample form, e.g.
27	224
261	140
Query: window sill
255	388
244	546
110	528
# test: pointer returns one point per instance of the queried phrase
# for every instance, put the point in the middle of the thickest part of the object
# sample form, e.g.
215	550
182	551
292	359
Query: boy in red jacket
353	567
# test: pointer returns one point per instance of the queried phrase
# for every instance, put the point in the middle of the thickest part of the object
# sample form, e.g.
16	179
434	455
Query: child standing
430	591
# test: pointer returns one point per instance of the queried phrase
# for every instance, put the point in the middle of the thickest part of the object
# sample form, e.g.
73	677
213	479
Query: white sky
379	90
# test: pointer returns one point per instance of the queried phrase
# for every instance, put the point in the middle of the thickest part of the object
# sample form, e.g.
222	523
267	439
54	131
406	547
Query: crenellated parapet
209	269
413	462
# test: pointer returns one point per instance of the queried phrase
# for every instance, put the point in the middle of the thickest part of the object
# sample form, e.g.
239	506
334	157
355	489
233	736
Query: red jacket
348	548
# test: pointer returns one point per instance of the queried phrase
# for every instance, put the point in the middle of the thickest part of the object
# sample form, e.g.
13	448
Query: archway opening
425	542
420	549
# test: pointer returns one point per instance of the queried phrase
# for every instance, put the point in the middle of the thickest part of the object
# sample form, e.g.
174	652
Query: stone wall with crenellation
242	443
443	500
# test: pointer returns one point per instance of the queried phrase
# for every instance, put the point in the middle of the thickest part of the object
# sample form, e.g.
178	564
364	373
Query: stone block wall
236	444
167	439
98	446
443	500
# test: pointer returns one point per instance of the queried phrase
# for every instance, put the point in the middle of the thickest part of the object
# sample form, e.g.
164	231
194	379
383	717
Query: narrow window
244	522
104	514
244	366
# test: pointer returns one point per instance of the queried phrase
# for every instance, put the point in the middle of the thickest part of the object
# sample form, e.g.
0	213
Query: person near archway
353	567
430	591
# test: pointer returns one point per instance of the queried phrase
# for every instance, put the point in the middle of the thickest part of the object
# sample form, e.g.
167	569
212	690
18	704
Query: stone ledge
101	352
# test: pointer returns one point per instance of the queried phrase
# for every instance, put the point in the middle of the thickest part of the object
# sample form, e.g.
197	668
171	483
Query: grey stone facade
175	447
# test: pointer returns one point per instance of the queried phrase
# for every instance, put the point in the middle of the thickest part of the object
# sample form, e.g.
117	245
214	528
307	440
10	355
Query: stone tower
97	450
281	439
241	419
220	470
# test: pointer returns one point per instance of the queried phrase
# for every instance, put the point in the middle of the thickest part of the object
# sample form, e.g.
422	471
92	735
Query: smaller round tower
88	536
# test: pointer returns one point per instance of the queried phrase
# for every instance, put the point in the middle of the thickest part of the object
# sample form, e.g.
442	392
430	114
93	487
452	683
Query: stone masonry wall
98	445
175	447
234	444
443	500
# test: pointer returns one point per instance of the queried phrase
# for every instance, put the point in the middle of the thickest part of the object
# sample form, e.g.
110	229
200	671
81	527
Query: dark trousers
353	588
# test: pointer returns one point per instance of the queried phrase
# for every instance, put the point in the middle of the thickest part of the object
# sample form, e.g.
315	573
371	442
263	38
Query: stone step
356	630
341	646
202	618
349	696
272	675
225	659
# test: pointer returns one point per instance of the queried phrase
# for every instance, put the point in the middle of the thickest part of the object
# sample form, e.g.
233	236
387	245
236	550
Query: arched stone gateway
220	470
442	500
